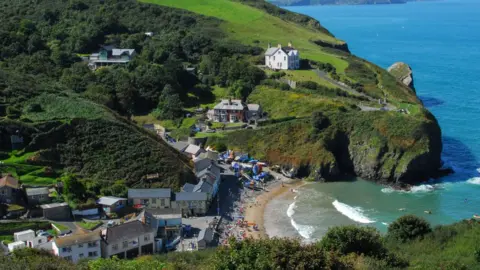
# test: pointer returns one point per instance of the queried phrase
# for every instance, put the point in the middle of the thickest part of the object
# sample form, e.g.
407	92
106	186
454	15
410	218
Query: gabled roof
271	51
206	235
201	164
253	107
127	230
192	149
8	181
36	191
203	186
149	193
188	187
225	104
119	52
77	239
109	200
190	196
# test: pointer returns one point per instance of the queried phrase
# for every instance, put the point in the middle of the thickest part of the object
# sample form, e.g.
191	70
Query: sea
440	40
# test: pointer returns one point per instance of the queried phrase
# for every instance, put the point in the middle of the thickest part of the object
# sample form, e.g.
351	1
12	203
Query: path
323	75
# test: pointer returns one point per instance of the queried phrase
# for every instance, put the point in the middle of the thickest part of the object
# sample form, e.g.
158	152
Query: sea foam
474	180
306	231
353	213
415	189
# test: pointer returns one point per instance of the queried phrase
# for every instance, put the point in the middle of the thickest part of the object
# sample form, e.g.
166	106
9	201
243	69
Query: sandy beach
255	211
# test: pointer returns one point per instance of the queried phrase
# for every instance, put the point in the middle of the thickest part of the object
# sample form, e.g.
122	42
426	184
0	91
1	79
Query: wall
107	250
77	251
156	204
86	212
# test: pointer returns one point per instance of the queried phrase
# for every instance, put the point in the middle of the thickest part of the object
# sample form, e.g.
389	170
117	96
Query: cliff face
403	73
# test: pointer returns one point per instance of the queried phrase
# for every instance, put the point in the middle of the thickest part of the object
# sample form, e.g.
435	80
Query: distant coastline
284	3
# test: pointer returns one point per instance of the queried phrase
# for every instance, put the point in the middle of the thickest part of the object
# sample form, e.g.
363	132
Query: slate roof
201	164
203	186
53	205
225	104
188	187
77	239
253	107
149	193
36	191
109	200
119	52
190	196
8	181
271	51
126	231
206	235
192	149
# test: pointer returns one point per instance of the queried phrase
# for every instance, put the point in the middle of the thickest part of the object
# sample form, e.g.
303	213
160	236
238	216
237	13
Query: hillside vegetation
336	2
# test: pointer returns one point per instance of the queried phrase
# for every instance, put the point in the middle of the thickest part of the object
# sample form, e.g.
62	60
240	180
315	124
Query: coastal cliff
402	72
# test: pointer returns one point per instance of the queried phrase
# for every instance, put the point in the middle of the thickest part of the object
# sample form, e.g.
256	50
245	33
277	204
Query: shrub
277	75
34	107
408	227
354	239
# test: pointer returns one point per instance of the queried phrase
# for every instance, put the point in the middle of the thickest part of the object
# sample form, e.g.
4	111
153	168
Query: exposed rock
403	73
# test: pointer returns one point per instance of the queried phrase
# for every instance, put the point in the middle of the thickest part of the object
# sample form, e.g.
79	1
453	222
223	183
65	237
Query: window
92	244
146	238
80	255
154	201
39	241
274	58
67	249
93	254
284	58
115	246
125	244
80	245
162	202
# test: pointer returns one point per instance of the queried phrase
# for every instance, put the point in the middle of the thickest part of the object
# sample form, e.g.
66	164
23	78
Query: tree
240	89
170	104
408	227
354	239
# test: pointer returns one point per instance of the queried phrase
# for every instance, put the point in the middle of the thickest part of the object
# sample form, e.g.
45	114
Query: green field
19	167
88	225
247	24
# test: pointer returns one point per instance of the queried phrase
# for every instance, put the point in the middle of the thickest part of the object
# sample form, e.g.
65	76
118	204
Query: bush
354	239
34	107
277	75
408	227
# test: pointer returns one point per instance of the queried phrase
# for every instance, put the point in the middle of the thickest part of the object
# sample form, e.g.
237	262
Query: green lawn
61	227
89	225
247	24
207	135
17	165
307	75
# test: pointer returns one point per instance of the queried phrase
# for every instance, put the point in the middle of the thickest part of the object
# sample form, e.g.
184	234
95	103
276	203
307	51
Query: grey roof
190	196
192	149
204	163
77	239
253	107
225	104
212	170
271	51
109	200
53	205
203	186
179	145
188	187
119	52
126	231
36	191
165	212
206	235
108	47
149	193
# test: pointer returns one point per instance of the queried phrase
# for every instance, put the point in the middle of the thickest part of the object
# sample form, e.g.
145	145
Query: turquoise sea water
441	42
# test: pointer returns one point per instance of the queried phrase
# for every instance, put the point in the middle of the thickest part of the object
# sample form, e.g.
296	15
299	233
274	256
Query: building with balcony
128	240
79	246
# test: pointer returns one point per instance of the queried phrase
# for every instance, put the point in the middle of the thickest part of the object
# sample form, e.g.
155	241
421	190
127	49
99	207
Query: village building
111	204
56	211
128	240
36	196
37	241
109	55
167	224
191	203
282	57
15	245
78	246
23	235
231	110
193	150
8	189
150	198
205	238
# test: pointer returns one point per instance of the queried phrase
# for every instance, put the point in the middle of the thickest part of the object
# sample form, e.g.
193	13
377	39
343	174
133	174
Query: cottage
150	198
193	150
37	196
282	57
191	203
210	174
78	246
15	245
128	240
166	222
23	235
254	112
232	110
8	189
56	211
108	55
111	204
37	241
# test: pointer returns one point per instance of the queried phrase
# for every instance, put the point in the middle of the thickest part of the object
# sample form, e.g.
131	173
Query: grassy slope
247	24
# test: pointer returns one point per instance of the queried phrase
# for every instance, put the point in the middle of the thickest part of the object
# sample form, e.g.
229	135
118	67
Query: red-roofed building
8	189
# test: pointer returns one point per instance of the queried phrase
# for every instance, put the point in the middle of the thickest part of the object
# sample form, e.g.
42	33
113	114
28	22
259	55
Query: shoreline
255	211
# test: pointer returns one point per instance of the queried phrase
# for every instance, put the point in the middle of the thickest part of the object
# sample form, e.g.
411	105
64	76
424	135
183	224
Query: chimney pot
279	46
290	44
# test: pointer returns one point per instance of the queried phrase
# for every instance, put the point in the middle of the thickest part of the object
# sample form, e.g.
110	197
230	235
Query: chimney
269	45
279	46
290	44
230	101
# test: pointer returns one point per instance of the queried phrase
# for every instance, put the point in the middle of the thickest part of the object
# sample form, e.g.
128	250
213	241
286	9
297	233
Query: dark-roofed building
205	238
8	189
188	187
191	203
78	246
166	222
56	211
128	240
212	175
150	198
108	55
37	196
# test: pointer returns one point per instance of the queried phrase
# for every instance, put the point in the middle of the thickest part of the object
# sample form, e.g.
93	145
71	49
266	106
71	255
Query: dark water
440	41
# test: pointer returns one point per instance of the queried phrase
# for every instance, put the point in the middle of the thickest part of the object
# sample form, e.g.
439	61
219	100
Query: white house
24	236
78	246
128	240
282	57
16	245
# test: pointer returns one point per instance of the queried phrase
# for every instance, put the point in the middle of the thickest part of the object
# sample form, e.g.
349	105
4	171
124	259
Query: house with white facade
79	246
282	57
128	240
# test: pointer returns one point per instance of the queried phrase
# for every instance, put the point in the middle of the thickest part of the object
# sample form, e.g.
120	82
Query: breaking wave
415	189
353	213
306	231
474	180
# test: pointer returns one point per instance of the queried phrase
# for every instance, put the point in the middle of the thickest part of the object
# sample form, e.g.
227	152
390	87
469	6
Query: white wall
109	251
77	251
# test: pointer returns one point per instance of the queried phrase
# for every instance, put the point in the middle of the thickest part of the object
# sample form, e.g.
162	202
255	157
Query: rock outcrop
403	73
